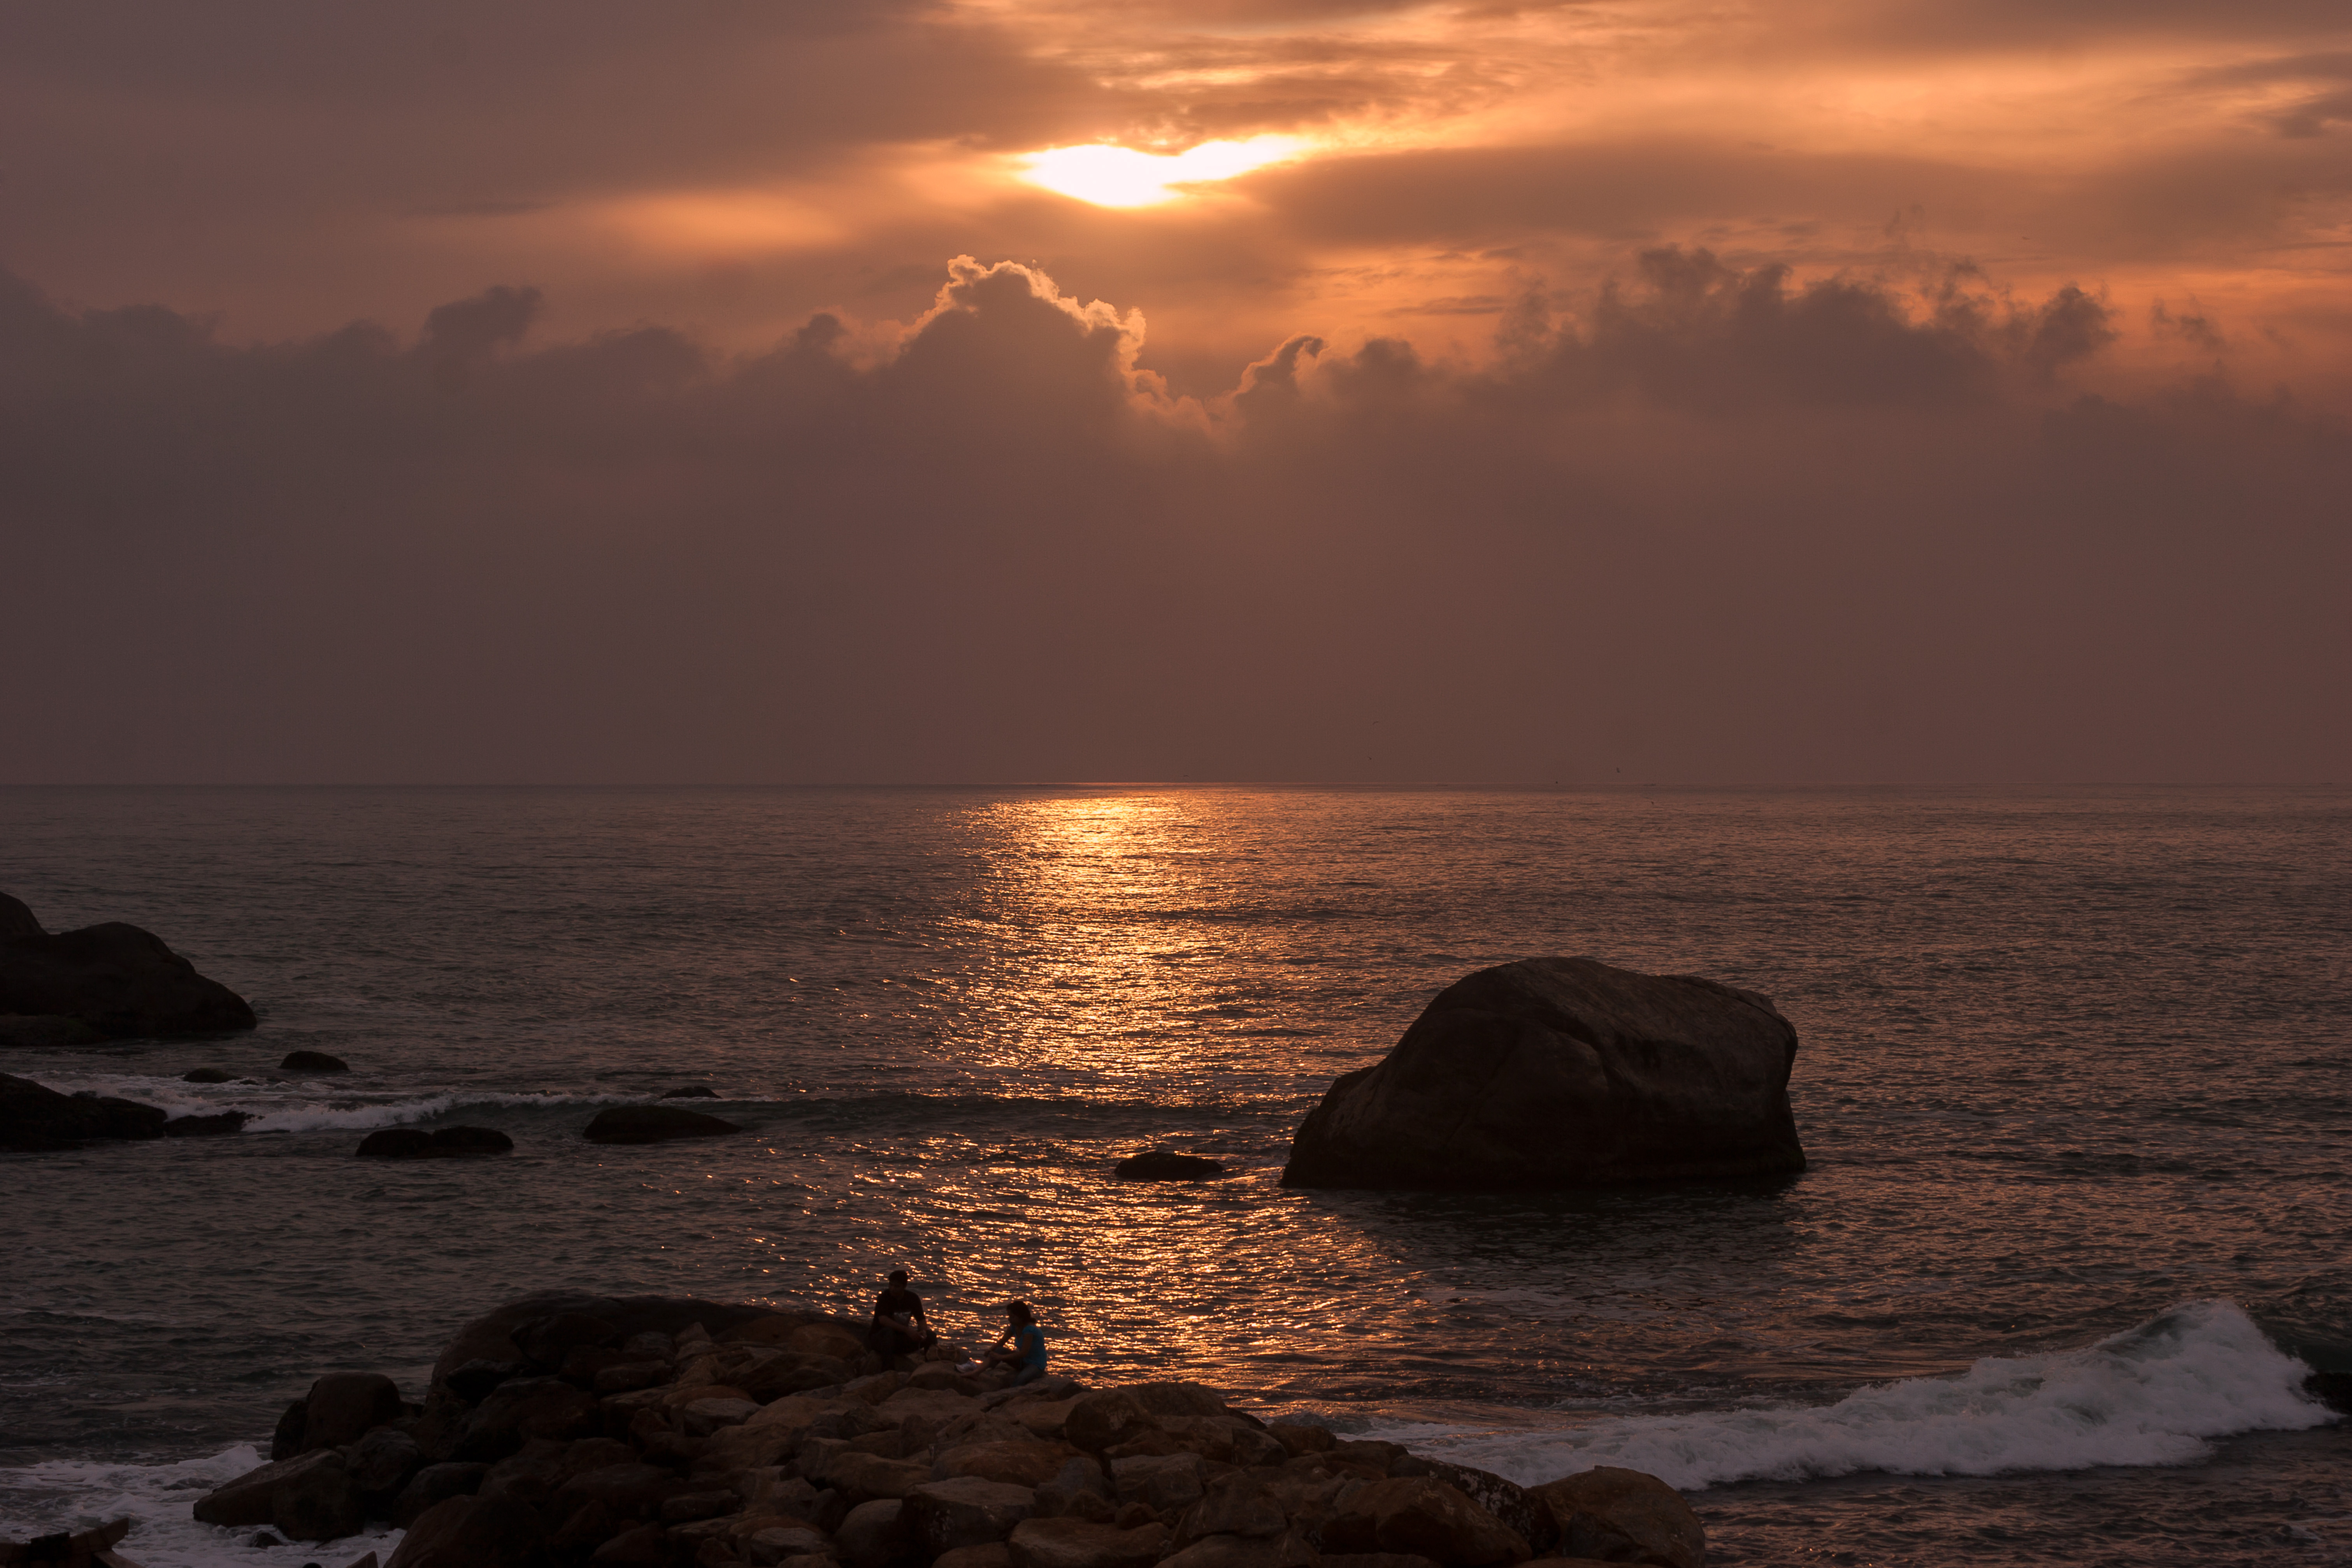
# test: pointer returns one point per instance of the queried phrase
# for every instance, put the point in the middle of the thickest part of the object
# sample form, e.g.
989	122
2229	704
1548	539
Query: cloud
1711	522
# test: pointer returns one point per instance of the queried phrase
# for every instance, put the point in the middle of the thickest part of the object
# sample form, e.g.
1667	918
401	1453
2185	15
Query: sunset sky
1827	391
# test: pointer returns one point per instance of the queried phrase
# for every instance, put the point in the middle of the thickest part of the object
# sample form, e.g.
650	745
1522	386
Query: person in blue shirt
1026	1354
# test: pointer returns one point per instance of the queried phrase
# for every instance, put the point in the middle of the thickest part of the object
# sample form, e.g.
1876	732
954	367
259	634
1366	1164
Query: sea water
2072	1084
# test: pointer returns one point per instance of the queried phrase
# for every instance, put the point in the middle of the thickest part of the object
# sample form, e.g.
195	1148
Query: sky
992	390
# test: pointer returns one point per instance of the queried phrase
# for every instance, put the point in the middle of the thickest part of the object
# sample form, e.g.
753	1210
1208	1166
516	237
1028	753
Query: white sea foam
2154	1395
76	1494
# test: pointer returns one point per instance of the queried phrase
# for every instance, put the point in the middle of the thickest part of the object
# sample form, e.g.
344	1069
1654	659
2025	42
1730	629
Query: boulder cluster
567	1430
35	1118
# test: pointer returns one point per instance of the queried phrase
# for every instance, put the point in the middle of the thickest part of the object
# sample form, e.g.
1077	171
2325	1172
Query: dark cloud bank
1708	525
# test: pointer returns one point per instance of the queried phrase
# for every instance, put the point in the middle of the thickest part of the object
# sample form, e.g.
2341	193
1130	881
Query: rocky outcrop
565	1430
118	980
35	1117
312	1062
1563	1072
653	1124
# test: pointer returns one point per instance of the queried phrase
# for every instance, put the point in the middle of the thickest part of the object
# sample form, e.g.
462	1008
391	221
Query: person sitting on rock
1026	1356
899	1327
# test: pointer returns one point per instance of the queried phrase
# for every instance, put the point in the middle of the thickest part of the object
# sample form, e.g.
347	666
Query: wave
76	1494
2154	1395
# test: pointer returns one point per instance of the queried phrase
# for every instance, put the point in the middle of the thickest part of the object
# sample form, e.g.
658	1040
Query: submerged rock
206	1075
35	1117
313	1062
1159	1165
442	1142
693	1092
220	1123
1563	1072
115	979
653	1124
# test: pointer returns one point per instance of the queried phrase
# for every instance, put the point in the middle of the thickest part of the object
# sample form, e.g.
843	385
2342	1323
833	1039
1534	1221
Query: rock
218	1126
394	1144
1505	1499
777	1543
693	1092
343	1405
705	1417
36	1118
490	1338
1624	1516
312	1062
865	1476
1376	1559
382	1462
873	1535
2333	1389
1299	1439
1244	1551
625	1489
1079	1490
1159	1165
688	1507
206	1075
1425	1518
1563	1072
1111	1415
522	1408
1234	1504
653	1124
435	1484
117	979
308	1499
47	1031
472	1532
442	1142
1083	1543
1021	1464
1159	1481
990	1555
643	1547
966	1512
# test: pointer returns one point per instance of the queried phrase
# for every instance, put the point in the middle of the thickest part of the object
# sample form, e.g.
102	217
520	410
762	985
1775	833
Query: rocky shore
565	1430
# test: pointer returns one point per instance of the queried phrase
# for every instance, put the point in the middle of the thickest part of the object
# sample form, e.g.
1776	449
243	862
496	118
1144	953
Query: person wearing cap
899	1327
1026	1354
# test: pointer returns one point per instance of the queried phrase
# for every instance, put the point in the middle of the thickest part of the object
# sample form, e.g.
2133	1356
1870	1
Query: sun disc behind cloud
1113	176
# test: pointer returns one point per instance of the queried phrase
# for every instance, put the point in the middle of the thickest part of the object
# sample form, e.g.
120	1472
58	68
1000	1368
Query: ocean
2073	1083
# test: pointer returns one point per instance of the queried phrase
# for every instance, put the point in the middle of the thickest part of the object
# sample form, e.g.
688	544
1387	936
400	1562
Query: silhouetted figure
1026	1352
899	1327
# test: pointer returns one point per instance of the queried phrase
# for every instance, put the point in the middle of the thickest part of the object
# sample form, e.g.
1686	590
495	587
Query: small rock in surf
653	1124
1159	1165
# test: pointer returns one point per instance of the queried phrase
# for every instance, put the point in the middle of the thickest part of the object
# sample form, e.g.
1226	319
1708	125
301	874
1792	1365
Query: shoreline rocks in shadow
653	1124
1555	1074
312	1062
562	1430
36	1119
116	981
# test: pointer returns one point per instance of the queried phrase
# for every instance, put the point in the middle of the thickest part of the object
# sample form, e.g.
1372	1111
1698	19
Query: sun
1114	176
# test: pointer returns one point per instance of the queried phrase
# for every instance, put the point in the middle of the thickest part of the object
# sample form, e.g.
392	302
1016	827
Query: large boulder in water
1563	1072
118	979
